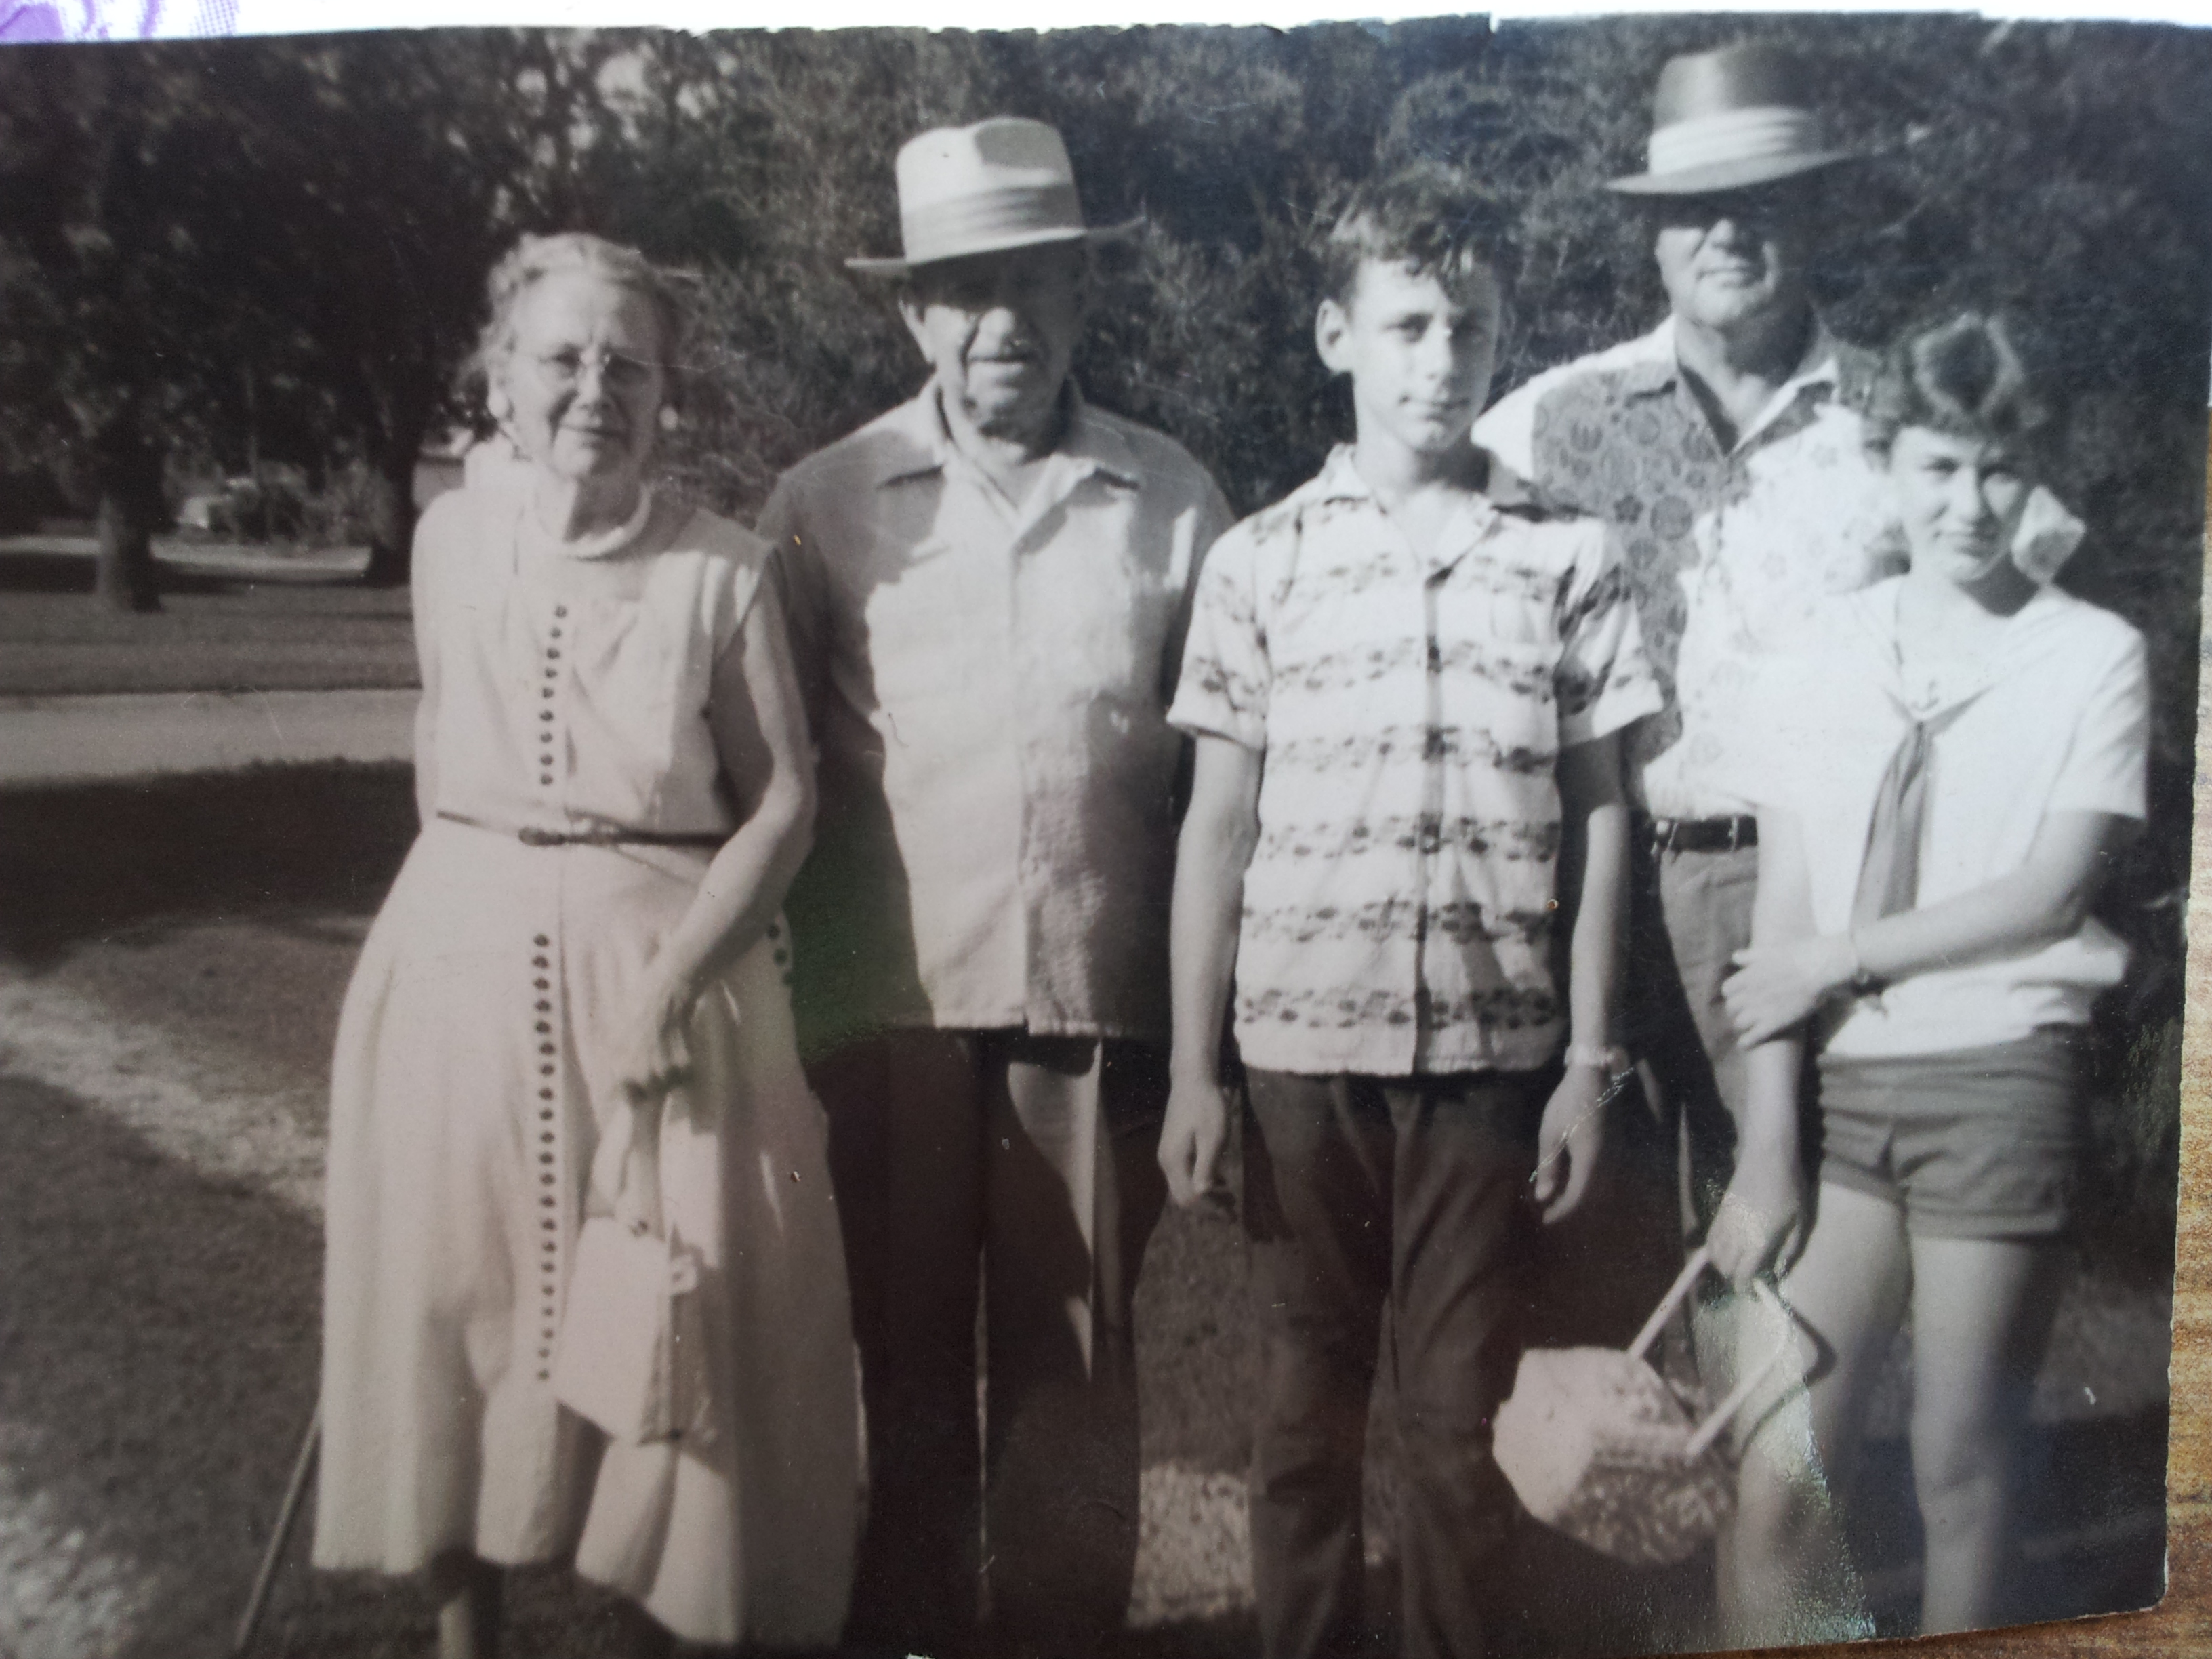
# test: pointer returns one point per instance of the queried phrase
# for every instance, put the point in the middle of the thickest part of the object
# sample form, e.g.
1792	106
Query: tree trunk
128	475
390	515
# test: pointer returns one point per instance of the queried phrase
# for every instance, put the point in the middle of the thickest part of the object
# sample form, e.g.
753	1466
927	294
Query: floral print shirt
1725	550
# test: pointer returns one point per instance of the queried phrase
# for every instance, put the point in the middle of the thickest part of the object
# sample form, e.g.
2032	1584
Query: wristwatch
1609	1058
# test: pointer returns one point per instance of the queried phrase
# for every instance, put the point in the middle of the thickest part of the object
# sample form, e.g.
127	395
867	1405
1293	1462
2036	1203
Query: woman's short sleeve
738	565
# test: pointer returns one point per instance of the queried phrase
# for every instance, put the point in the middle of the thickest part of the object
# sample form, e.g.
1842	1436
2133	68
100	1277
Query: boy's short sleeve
1604	682
2108	759
1223	687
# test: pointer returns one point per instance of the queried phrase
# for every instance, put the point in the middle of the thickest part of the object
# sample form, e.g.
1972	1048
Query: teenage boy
1406	684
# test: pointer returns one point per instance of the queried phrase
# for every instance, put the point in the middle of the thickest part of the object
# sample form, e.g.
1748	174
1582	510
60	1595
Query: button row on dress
552	656
548	1156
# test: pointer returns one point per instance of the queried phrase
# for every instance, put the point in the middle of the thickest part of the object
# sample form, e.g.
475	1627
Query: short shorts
1977	1143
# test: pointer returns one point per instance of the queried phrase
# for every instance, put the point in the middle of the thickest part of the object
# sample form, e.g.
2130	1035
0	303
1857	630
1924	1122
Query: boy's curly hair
1437	219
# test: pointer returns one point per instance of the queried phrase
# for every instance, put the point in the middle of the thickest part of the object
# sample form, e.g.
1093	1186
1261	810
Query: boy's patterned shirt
1398	908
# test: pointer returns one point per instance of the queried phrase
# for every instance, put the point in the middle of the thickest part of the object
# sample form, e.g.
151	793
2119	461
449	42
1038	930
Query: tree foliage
281	244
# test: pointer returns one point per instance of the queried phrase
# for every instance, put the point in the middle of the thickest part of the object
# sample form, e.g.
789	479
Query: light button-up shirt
988	683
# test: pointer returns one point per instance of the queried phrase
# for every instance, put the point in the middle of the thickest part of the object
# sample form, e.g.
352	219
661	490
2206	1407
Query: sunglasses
1764	207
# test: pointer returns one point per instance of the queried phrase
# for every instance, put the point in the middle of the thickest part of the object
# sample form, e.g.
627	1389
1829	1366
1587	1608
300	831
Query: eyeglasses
618	372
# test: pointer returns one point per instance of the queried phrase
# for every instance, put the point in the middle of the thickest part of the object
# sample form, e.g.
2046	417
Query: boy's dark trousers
1361	1191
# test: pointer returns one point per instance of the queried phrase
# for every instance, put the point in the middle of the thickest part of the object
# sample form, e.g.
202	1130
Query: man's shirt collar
924	447
1658	368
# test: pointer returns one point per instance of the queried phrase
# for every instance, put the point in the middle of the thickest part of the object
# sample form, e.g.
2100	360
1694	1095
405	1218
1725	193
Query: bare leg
1981	1313
1784	1576
467	1591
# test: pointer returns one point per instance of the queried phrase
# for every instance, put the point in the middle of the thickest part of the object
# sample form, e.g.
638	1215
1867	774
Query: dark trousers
1034	1158
1361	1193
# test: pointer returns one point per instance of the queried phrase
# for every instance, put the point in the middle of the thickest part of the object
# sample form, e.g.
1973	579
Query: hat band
966	224
1738	135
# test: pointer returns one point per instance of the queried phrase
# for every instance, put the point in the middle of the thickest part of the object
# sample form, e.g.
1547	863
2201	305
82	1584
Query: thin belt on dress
1727	835
530	835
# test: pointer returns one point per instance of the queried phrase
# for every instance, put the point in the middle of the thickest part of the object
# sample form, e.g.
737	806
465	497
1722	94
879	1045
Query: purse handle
1722	1414
1692	1270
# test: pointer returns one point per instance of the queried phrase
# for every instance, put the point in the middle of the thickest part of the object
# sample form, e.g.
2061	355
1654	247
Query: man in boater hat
1725	446
986	588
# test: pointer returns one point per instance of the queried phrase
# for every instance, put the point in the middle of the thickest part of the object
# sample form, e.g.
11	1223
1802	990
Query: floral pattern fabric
1725	550
1397	912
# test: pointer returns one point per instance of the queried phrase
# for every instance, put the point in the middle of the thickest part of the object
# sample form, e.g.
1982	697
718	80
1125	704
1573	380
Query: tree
110	183
395	167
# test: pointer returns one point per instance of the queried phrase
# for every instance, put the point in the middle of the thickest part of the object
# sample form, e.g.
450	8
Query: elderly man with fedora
988	589
1725	447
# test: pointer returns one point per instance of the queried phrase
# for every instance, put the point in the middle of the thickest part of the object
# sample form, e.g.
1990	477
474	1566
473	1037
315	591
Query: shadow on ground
88	862
158	1337
158	1353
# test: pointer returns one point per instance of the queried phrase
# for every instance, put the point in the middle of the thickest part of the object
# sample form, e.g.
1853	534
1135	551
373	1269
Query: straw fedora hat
1728	120
1001	184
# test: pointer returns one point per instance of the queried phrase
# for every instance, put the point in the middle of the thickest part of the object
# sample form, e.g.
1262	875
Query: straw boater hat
1728	120
1001	184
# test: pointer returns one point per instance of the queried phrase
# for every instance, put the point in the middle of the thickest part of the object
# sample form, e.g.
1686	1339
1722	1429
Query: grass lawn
232	619
173	1315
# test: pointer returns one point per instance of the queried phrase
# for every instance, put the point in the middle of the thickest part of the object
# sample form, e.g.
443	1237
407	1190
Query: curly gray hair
535	258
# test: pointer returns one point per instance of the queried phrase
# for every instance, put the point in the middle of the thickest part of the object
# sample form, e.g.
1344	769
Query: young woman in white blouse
1954	756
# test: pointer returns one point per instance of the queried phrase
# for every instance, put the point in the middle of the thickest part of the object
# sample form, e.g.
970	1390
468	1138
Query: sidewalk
79	739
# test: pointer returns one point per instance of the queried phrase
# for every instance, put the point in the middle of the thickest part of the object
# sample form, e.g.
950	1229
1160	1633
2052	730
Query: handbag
631	1357
1599	1447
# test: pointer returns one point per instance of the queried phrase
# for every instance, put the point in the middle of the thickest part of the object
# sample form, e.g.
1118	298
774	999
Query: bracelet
1608	1057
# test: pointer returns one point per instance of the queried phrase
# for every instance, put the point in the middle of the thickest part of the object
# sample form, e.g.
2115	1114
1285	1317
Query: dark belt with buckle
531	835
1699	834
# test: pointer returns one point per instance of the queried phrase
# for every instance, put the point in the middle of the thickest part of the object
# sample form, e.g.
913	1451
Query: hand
1776	986
1191	1141
652	1053
1761	1222
1568	1141
625	1179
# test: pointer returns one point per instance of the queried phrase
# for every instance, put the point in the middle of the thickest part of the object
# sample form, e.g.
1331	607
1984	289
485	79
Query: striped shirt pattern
1398	914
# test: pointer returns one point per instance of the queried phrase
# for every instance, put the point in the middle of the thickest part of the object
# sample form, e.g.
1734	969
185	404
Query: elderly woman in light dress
573	1003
